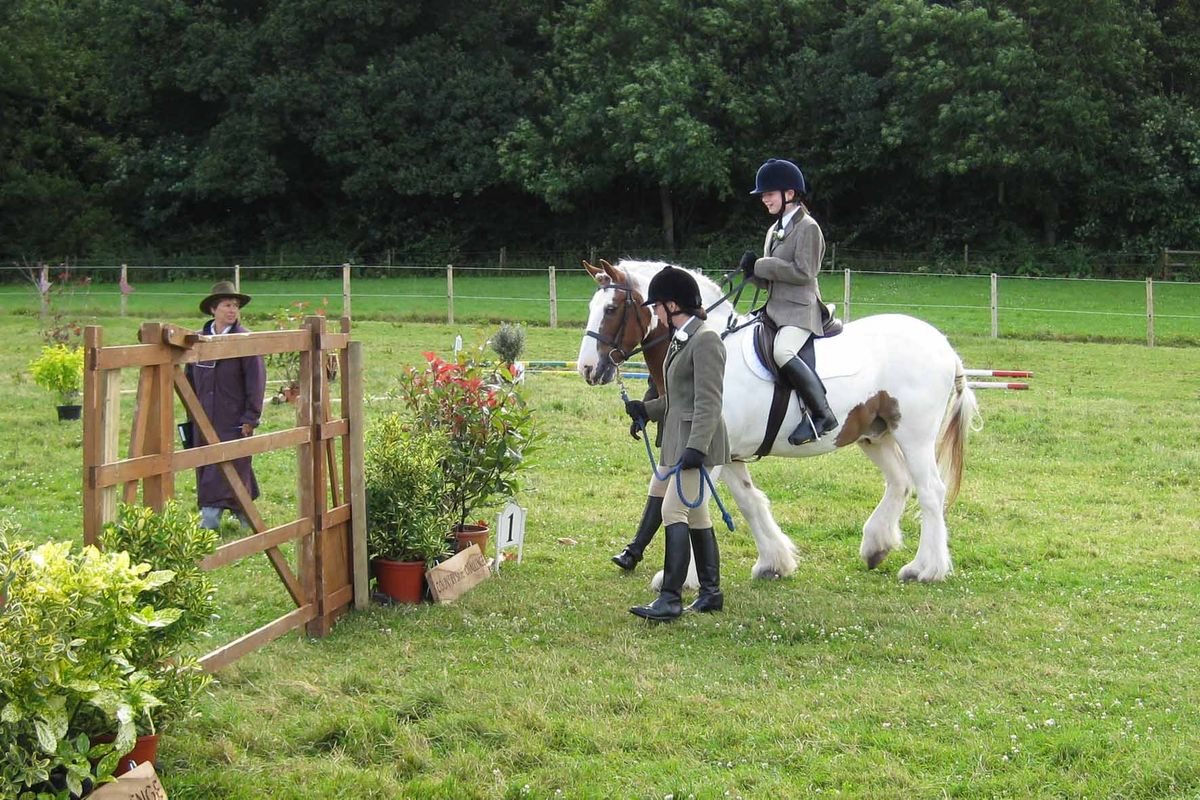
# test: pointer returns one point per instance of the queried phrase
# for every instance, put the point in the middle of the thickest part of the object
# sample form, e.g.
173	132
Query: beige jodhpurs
788	342
674	510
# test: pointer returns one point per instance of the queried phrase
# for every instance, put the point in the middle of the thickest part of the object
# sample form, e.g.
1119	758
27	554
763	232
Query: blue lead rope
675	470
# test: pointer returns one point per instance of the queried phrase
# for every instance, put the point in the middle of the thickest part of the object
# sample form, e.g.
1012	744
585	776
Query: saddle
764	346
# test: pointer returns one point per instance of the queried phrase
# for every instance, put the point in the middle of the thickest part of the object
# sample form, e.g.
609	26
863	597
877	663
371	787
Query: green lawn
960	304
1058	661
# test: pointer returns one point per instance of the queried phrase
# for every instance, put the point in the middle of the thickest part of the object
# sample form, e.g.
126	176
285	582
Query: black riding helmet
779	175
678	285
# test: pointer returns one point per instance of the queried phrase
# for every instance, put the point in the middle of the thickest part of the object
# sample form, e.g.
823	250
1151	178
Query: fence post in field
449	294
966	256
833	257
44	291
995	307
553	299
503	258
1150	312
1164	260
846	296
124	283
237	277
346	290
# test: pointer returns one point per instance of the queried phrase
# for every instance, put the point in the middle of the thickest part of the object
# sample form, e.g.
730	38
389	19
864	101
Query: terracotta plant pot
144	749
468	535
68	412
403	581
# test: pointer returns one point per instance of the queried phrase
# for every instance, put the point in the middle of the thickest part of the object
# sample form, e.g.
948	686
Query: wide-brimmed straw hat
221	290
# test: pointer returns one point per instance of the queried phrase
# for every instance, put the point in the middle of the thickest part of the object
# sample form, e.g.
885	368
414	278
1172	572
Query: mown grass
1085	310
1058	660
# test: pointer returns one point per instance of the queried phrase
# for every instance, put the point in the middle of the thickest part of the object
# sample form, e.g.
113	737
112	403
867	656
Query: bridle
614	342
616	353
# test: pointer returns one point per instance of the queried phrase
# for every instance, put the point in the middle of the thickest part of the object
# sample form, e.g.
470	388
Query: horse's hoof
876	558
768	575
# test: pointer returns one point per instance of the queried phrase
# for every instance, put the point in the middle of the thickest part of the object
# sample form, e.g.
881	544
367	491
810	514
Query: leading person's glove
636	410
691	459
635	430
747	263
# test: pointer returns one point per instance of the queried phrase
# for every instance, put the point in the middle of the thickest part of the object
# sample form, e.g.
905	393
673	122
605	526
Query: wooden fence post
846	295
995	307
44	291
346	290
553	299
503	258
449	294
1164	261
101	430
124	283
353	376
1150	312
237	277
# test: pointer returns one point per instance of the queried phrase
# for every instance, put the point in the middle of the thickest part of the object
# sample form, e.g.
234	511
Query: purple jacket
231	393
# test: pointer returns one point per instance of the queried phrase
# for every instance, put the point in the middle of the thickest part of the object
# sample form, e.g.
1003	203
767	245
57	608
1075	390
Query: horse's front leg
776	552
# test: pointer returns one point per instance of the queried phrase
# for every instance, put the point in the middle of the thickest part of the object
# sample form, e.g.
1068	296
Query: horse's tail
962	418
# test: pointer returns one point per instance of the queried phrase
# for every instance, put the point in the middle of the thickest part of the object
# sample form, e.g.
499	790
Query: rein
676	469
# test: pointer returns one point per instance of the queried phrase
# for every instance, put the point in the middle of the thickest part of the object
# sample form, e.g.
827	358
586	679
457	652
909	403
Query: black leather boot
708	570
669	604
651	520
819	420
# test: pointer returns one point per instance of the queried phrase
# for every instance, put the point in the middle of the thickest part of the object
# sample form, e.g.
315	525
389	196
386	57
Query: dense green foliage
350	129
68	626
169	540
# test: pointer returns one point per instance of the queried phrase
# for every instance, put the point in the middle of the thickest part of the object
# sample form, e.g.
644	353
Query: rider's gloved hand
691	459
635	430
746	265
636	410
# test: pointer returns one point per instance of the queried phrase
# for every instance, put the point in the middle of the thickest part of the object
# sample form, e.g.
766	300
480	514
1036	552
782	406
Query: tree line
335	129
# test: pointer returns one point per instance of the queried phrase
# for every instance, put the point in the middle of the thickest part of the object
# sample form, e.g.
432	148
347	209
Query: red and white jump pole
997	373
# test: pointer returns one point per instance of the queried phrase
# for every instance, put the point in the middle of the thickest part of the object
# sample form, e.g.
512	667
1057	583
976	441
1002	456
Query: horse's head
616	324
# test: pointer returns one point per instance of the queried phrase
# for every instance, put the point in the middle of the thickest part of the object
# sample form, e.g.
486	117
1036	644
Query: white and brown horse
896	385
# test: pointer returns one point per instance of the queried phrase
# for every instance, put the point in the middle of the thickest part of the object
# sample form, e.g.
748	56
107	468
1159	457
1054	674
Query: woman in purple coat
231	394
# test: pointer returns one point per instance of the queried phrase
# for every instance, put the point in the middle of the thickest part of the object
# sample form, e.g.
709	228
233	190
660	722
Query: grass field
1058	661
1080	310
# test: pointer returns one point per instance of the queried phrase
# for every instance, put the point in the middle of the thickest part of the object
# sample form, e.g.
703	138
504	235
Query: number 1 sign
510	532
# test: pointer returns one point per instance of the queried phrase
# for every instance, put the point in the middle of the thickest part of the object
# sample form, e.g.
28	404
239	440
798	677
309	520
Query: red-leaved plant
489	424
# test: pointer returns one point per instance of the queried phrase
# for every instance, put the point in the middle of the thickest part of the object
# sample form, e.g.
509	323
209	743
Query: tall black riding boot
669	604
819	420
651	520
708	570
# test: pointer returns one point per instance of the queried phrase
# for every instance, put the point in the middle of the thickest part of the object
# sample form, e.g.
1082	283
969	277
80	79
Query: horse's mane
640	273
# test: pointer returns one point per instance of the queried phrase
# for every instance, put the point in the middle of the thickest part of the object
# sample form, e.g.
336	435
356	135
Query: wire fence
1150	310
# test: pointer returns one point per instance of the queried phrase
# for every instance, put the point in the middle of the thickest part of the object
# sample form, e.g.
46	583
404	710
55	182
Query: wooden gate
329	528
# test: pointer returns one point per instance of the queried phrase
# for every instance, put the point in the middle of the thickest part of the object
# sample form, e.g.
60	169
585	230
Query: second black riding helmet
674	284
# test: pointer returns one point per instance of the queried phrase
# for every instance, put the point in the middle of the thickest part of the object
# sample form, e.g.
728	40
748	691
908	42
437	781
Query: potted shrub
169	540
488	425
407	517
69	621
509	343
59	369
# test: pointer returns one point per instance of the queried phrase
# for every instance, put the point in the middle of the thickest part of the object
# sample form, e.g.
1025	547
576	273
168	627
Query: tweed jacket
689	407
788	271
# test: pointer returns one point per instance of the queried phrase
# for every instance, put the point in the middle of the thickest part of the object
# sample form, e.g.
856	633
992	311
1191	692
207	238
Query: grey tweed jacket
788	271
689	407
